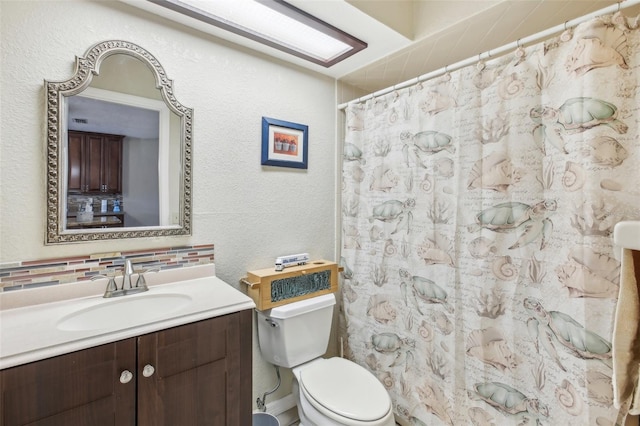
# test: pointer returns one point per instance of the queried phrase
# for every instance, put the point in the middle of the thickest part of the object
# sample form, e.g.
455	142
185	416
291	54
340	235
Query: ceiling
409	38
93	115
447	32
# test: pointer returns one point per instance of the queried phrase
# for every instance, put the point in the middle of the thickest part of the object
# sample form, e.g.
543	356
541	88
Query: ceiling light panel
274	23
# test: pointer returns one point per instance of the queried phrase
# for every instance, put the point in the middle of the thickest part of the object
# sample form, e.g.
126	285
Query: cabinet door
202	374
93	163
75	169
112	164
80	388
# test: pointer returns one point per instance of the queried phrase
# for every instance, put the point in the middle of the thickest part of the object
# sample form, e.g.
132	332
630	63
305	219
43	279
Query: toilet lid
346	389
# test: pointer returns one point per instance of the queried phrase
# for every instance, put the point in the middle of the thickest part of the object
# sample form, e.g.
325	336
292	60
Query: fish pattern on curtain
480	277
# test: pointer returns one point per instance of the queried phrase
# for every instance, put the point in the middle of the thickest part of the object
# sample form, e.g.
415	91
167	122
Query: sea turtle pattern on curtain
480	277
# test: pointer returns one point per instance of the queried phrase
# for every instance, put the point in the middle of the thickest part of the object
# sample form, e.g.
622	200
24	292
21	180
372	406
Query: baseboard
281	405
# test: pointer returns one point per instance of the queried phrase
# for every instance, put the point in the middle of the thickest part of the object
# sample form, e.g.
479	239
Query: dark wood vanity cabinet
203	374
95	163
194	374
80	388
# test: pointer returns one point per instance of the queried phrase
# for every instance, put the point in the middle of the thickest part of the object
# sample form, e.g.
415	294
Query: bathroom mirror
118	149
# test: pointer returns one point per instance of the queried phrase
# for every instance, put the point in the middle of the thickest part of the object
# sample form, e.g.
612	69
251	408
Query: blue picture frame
284	144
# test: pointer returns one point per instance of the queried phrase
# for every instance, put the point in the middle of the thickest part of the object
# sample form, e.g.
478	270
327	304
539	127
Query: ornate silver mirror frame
86	68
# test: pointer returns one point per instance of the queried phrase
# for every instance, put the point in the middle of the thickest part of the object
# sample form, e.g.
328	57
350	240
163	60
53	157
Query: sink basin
144	307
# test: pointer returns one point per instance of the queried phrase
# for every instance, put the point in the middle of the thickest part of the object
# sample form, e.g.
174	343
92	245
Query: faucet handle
98	276
152	269
142	282
111	285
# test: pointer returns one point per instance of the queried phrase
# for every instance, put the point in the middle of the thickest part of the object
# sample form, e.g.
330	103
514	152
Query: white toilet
329	392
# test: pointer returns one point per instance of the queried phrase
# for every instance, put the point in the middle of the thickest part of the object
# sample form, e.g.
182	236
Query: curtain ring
567	33
447	76
480	65
519	50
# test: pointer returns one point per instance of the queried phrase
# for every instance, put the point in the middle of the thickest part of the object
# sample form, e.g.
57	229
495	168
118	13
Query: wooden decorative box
270	288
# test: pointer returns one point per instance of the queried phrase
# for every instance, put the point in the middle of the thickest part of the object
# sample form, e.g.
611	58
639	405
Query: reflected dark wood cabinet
192	375
95	163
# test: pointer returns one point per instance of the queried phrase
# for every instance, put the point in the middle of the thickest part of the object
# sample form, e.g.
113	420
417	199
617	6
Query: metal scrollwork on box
288	288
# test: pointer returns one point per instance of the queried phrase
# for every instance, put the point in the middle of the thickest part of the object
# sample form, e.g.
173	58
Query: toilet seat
343	390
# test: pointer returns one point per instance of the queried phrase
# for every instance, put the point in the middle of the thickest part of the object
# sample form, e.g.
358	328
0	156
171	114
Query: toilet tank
295	333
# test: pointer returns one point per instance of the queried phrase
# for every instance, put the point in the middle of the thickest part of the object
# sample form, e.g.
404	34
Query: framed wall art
284	144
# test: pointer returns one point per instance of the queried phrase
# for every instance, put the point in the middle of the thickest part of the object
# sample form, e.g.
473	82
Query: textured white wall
251	213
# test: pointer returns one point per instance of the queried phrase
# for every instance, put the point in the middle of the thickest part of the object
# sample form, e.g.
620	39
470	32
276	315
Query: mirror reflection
123	167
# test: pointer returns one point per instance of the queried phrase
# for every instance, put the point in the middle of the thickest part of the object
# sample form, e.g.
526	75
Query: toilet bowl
329	392
337	392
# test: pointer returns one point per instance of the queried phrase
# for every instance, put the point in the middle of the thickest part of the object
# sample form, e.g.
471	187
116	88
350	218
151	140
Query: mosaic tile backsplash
37	273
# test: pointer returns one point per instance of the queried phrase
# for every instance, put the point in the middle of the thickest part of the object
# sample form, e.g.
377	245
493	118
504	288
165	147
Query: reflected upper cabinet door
76	172
112	164
94	163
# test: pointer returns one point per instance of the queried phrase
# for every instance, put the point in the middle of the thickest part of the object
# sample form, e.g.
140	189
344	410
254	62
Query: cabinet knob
126	376
148	370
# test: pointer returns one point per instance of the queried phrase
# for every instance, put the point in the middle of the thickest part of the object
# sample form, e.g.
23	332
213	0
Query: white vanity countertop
31	332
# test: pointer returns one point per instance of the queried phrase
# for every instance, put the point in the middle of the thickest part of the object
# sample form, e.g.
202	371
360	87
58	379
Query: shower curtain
480	277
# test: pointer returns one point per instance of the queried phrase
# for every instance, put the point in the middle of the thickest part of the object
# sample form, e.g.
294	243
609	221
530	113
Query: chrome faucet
126	274
112	289
127	286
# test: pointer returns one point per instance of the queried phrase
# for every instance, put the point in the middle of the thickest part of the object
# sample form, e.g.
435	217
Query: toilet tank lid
296	308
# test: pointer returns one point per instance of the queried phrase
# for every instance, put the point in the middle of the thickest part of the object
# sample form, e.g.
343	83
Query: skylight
274	23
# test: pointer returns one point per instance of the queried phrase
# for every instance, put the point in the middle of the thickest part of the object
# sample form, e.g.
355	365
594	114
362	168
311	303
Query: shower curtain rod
495	52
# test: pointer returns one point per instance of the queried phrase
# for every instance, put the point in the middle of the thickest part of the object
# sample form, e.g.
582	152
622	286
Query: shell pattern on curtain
480	275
